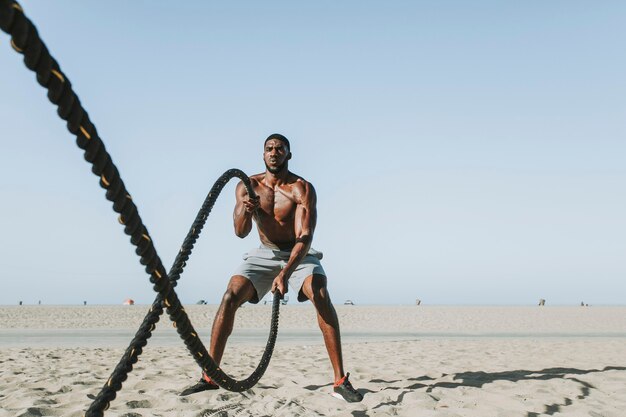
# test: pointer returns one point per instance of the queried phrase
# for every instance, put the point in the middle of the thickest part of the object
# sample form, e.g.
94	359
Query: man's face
276	154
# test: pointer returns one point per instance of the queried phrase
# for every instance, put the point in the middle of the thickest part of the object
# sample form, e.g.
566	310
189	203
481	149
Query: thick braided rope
25	40
145	330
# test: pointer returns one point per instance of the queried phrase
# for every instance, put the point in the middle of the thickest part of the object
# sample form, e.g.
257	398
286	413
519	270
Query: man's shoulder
255	180
297	181
301	189
257	177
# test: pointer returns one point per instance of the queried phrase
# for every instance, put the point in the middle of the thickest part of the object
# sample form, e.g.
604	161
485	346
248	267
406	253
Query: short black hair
279	137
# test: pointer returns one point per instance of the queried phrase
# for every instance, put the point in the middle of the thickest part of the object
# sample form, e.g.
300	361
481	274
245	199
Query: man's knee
239	290
231	299
316	290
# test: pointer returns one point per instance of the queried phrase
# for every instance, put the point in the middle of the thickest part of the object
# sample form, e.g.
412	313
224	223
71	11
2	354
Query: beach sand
407	361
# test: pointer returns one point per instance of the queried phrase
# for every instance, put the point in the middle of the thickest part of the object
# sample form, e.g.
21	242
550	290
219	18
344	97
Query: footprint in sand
139	404
39	412
225	411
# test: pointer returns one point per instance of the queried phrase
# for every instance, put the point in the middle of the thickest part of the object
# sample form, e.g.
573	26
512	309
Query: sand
406	360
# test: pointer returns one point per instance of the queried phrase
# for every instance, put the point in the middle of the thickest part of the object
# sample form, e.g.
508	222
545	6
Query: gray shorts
262	265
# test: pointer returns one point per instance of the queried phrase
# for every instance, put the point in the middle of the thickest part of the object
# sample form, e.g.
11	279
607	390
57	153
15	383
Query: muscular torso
279	204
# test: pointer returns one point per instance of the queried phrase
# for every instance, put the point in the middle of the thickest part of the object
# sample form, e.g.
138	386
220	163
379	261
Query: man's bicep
307	213
240	192
312	210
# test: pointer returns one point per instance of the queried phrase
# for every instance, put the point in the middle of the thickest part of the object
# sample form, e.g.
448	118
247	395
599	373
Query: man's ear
289	156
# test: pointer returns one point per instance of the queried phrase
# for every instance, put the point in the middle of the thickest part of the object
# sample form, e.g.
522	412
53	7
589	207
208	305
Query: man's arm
305	221
244	210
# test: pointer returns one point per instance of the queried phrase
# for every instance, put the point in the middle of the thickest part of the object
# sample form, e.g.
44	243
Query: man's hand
251	204
280	285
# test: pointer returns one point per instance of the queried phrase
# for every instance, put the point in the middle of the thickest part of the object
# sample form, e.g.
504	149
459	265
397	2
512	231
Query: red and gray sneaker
344	390
205	384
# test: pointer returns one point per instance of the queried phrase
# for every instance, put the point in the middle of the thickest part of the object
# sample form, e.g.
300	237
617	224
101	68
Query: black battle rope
149	322
25	40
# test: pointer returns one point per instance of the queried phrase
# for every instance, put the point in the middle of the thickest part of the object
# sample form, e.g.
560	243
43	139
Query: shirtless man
285	214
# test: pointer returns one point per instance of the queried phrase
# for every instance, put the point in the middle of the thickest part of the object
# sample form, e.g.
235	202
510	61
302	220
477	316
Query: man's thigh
309	271
312	285
260	273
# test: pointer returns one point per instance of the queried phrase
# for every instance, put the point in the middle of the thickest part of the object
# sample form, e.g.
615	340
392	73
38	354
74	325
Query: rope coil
25	40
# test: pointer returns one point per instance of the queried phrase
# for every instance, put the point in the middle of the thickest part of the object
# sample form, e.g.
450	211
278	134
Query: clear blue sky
462	152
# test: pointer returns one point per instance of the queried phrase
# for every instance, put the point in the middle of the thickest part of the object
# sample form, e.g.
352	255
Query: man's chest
277	202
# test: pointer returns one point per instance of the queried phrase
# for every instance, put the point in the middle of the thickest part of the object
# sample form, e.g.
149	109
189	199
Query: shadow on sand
474	379
478	379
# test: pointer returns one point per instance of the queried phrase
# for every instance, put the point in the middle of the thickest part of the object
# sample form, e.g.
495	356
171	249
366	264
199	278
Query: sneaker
345	391
205	384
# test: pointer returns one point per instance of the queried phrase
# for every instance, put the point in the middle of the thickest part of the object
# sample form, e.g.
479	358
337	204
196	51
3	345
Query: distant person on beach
285	214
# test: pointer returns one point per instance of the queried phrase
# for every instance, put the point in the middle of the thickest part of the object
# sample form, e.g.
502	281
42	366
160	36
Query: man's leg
314	288
239	290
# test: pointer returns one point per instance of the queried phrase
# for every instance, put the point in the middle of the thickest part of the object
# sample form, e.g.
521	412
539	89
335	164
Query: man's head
276	153
278	136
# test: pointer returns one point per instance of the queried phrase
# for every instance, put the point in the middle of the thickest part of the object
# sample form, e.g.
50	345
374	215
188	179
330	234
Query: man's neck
272	180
